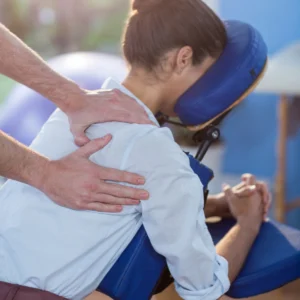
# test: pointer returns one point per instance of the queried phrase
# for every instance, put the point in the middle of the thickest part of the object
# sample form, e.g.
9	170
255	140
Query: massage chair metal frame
274	259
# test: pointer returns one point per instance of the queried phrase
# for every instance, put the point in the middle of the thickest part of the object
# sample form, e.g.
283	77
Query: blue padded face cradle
242	61
137	271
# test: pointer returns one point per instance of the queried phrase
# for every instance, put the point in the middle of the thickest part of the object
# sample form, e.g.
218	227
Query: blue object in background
250	132
25	111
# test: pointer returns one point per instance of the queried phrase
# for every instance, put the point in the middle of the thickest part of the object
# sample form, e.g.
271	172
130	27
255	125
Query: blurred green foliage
53	27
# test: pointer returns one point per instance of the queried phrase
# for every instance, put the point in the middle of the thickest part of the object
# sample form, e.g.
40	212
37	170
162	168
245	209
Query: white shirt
69	252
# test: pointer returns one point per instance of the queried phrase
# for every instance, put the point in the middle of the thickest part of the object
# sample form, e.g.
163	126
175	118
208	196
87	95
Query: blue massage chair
274	260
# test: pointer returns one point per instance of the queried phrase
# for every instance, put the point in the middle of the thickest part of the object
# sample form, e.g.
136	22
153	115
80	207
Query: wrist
38	176
211	207
249	223
221	206
70	97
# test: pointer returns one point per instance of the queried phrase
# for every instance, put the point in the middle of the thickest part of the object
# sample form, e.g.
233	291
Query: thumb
93	146
79	135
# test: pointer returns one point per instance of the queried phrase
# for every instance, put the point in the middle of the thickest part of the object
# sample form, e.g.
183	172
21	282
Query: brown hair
158	26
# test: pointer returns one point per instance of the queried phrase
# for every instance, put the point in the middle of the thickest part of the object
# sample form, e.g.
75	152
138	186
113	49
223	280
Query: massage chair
274	260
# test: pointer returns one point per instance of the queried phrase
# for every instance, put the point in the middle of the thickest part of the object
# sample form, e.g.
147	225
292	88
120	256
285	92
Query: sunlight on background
52	27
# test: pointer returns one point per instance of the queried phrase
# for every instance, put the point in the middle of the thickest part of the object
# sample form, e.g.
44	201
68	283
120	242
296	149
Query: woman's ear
184	59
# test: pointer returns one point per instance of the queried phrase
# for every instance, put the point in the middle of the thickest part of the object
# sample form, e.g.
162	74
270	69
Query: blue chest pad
140	271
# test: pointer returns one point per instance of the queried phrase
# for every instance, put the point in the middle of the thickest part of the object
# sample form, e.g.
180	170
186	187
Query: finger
263	188
249	178
93	146
133	116
121	191
134	113
96	206
239	186
111	200
121	176
266	209
228	191
268	205
246	191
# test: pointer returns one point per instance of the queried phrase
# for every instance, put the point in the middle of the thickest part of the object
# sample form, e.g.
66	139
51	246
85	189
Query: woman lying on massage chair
168	45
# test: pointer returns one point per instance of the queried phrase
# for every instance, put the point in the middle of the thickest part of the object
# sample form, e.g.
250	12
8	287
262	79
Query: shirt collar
110	84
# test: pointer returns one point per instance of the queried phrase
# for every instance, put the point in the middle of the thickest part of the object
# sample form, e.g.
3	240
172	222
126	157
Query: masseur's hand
77	183
102	106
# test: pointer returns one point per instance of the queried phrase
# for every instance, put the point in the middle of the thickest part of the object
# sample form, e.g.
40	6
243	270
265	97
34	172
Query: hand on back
103	106
77	183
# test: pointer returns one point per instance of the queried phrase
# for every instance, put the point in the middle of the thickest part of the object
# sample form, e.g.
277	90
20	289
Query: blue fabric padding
255	121
227	80
204	173
274	259
139	268
136	272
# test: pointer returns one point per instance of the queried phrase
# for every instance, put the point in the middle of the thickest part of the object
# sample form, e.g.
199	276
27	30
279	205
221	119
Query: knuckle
115	95
78	204
86	196
92	187
118	191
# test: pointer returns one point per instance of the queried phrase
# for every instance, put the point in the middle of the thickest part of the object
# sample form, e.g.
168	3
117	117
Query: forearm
19	162
216	205
20	63
235	246
210	208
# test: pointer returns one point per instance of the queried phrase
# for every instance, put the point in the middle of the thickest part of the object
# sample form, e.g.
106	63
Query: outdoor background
53	27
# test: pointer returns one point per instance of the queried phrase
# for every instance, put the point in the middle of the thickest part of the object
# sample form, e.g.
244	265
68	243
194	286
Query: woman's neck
149	92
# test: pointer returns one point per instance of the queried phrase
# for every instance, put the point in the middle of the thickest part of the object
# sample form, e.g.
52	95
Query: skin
86	190
240	200
163	97
176	75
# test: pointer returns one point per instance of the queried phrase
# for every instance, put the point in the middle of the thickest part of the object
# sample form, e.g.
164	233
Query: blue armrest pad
274	259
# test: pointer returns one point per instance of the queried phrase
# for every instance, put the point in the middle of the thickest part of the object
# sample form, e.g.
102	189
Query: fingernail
135	202
144	195
141	180
108	137
119	208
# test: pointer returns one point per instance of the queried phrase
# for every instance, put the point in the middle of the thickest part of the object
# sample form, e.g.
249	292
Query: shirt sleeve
174	219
